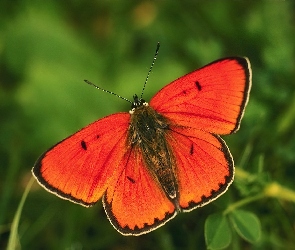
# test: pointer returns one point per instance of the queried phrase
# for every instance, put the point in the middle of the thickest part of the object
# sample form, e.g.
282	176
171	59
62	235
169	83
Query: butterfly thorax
147	134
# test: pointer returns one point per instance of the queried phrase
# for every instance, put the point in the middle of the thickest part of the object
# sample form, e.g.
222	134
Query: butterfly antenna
155	57
110	92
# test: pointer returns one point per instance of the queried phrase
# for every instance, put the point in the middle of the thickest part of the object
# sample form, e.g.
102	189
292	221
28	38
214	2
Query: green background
47	49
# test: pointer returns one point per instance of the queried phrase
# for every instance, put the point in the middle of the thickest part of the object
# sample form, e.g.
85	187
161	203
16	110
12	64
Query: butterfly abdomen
147	134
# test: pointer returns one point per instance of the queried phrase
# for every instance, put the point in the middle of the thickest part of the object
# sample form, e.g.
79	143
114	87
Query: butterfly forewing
82	166
212	98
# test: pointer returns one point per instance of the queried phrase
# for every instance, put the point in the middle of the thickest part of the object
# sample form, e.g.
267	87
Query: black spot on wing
191	149
131	180
83	145
198	85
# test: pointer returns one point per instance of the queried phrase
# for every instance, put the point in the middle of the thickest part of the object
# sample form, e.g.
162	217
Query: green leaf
247	225
217	231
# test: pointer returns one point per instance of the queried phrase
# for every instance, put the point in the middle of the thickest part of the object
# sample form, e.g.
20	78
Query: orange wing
136	204
211	98
205	166
82	166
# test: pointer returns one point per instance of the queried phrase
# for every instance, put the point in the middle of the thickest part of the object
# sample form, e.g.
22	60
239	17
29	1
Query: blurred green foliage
47	49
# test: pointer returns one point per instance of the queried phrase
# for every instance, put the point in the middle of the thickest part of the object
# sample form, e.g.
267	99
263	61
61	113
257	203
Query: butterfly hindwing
82	166
136	204
204	165
211	98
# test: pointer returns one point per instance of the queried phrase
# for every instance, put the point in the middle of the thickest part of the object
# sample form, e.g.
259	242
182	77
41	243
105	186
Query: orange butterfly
159	159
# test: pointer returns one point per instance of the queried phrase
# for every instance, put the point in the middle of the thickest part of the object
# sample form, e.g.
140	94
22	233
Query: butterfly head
137	103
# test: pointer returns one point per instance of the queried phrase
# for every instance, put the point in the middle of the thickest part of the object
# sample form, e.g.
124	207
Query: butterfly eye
138	102
131	112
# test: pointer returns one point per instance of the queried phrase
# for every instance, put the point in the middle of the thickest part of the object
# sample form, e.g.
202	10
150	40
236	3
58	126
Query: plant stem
273	189
243	202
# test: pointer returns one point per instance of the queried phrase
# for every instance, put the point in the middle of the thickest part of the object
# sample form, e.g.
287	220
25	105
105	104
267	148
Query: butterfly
160	158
